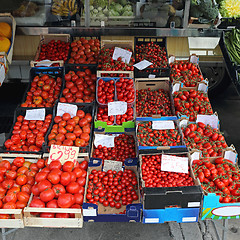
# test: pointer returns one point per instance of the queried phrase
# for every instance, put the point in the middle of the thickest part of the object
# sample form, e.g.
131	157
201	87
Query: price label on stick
142	65
117	108
63	153
66	108
174	164
112	165
104	140
35	114
125	55
211	120
162	125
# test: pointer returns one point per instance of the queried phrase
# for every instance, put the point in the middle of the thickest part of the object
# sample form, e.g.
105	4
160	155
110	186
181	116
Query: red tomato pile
203	137
154	177
125	90
28	135
17	179
54	50
102	115
59	186
220	177
112	189
152	102
124	148
153	53
105	91
106	63
44	91
128	116
69	131
84	51
191	103
186	72
80	87
151	137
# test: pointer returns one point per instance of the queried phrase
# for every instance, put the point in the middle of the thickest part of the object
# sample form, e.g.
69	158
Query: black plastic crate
79	64
87	108
229	22
22	111
158	72
54	71
75	68
5	123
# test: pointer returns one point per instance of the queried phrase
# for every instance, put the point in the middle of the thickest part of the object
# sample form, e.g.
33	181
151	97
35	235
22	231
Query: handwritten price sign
63	154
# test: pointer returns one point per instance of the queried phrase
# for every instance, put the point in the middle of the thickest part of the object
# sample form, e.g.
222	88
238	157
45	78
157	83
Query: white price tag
142	65
194	59
171	59
162	125
104	140
202	87
122	53
112	165
183	123
211	120
90	212
117	108
151	76
174	164
175	87
230	155
66	108
44	63
35	114
2	73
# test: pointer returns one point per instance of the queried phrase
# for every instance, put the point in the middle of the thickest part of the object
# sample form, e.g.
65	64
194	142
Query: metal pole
87	13
3	234
225	229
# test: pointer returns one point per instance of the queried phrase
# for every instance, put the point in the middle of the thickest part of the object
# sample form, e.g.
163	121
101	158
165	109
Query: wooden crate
102	73
45	39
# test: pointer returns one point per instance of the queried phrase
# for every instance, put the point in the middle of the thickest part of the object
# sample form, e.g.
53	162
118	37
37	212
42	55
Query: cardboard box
8	18
99	213
3	67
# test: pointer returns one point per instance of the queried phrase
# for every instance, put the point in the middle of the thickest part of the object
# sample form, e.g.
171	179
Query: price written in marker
35	114
63	154
67	108
117	108
174	164
112	165
125	55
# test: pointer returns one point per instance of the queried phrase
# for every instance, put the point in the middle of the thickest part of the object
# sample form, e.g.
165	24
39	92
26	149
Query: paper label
189	219
104	140
151	76
212	120
151	220
102	23
174	164
44	63
63	153
194	204
112	165
171	59
183	123
195	156
142	65
67	108
202	87
122	53
230	155
35	114
117	108
175	87
162	125
90	212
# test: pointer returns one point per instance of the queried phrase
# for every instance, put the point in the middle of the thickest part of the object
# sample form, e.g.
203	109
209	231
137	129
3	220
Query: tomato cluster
191	103
125	90
186	72
102	115
28	135
154	177
152	102
105	91
153	53
84	51
59	186
16	181
152	137
220	177
54	50
69	131
124	148
112	189
106	62
128	116
205	138
45	90
80	87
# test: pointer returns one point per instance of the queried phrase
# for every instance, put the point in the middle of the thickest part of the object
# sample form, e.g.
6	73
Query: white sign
230	155
174	164
44	63
117	108
104	140
122	53
175	87
112	165
202	87
142	65
35	114
151	76
162	125
67	108
211	120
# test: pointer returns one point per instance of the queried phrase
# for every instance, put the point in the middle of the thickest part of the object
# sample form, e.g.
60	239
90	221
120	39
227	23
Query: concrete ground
228	107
